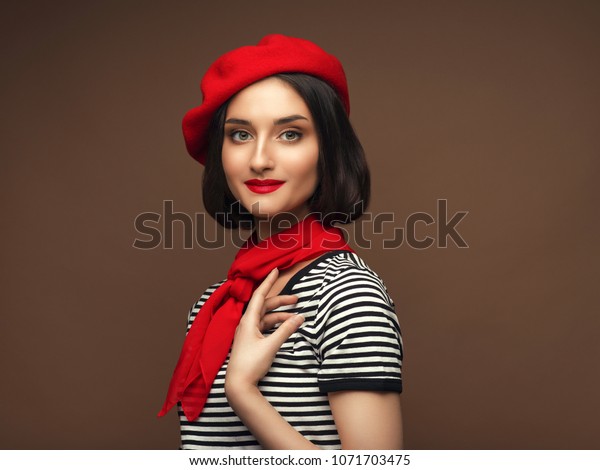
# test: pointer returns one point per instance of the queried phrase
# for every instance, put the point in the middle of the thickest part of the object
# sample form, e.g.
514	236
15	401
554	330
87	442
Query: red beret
241	67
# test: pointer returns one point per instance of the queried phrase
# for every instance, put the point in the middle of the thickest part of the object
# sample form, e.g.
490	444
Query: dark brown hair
343	190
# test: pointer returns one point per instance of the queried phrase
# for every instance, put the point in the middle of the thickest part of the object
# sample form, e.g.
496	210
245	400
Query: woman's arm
364	420
264	422
367	420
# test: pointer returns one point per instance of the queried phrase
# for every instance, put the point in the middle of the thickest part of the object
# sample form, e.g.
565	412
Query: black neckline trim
287	289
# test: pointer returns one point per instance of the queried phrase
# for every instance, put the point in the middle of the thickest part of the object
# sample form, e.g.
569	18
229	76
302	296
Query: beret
236	69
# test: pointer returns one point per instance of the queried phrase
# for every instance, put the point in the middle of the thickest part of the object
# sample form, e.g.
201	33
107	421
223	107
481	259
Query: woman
299	348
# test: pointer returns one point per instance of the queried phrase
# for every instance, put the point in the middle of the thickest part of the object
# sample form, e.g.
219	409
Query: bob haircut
343	188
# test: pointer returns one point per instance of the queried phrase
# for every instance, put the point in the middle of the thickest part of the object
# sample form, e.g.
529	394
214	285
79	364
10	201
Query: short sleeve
360	344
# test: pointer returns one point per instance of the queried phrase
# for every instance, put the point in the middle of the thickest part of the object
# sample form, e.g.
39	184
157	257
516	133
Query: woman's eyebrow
277	122
237	121
288	119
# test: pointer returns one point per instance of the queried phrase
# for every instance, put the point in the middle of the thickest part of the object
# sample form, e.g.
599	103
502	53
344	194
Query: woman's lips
263	186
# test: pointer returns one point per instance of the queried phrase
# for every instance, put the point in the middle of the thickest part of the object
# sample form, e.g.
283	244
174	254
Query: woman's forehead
270	98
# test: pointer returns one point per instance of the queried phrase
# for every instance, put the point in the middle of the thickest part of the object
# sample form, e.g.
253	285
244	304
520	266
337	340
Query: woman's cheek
232	175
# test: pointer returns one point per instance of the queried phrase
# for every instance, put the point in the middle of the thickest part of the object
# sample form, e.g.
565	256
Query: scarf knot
241	289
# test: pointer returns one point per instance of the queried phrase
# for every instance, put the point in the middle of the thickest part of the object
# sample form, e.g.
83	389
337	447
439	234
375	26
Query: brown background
492	106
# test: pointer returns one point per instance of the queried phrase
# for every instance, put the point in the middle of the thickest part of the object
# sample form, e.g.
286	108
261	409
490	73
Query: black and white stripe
350	340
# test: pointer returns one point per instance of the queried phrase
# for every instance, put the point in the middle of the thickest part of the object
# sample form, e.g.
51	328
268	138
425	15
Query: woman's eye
240	136
291	135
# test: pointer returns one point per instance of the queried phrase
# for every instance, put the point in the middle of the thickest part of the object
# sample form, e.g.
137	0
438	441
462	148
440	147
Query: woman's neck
264	228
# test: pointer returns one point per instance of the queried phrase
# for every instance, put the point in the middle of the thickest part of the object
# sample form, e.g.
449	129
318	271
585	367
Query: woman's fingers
266	285
285	330
271	319
255	306
259	304
273	302
251	353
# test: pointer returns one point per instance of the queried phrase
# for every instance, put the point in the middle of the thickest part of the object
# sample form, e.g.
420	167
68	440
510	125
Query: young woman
300	347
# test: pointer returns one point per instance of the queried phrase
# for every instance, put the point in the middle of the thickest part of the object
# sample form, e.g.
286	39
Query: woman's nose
261	159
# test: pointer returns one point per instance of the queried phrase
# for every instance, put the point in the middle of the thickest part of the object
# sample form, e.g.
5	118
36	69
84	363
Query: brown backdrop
492	106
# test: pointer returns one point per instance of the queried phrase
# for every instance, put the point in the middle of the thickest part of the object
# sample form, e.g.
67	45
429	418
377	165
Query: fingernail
299	318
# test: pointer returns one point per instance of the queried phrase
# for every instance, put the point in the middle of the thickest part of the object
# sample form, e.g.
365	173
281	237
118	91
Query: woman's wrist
236	390
263	421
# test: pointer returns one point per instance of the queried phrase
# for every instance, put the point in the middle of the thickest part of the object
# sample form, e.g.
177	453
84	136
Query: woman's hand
251	357
252	353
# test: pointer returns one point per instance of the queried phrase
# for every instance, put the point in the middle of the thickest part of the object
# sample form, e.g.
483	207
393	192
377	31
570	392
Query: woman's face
270	150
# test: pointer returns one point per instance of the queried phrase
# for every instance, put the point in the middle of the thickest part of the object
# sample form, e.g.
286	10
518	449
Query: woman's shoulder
346	262
351	304
337	273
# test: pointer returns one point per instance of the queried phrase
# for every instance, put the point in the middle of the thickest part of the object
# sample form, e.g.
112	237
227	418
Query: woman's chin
270	212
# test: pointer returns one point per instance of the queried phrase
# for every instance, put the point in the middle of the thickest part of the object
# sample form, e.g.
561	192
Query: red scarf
209	339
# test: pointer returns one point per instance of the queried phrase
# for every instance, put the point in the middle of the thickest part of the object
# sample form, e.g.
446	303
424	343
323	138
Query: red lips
263	186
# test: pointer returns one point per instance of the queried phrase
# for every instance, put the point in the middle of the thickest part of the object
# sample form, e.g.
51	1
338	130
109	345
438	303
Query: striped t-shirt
350	340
